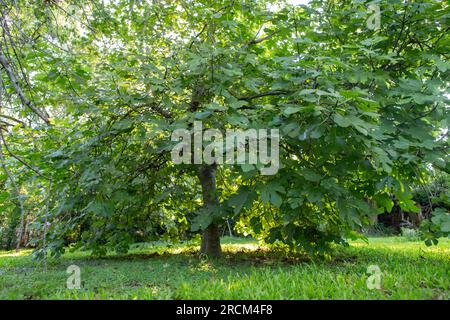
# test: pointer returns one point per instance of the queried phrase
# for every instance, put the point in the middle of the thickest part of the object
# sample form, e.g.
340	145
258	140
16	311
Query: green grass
410	270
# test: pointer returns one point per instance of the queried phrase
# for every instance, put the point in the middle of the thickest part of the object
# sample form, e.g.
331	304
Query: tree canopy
91	92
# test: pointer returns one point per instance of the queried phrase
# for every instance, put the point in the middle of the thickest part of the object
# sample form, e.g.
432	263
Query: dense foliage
100	86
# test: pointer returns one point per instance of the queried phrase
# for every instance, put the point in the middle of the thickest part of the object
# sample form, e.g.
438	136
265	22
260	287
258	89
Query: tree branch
259	40
13	119
4	62
20	159
264	94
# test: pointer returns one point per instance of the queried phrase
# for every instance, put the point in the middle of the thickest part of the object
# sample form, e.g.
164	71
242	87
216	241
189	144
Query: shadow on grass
258	256
250	254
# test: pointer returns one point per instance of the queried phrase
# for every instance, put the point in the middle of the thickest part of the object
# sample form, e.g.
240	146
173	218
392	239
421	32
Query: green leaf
205	216
291	110
270	194
3	196
101	208
243	199
310	175
239	104
342	121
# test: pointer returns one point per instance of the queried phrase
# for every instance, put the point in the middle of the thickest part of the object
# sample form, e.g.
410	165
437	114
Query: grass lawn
409	270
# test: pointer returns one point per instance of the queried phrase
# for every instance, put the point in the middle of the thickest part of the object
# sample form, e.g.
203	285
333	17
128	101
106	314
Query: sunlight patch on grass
240	247
20	253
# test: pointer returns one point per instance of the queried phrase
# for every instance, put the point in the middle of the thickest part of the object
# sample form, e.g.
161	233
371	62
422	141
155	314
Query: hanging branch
264	94
13	119
20	159
259	40
25	101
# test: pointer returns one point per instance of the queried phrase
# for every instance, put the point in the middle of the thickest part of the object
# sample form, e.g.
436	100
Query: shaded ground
409	270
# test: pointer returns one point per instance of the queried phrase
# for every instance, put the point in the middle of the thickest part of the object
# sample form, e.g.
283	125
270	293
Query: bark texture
211	237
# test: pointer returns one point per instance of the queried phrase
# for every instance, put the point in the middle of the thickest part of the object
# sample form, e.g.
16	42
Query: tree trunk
211	237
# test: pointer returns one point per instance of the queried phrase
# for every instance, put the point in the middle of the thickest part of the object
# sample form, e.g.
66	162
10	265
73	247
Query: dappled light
224	149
